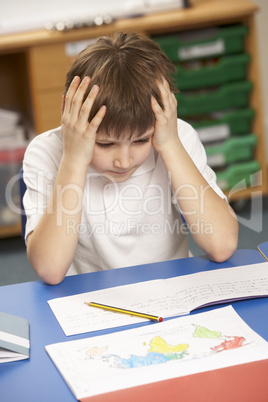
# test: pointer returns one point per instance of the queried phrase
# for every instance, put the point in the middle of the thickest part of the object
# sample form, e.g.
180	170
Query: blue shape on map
134	361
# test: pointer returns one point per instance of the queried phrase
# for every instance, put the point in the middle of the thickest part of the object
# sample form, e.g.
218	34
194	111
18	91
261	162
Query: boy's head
127	68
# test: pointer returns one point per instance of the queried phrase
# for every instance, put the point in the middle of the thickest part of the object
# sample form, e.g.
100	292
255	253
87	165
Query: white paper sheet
162	297
208	287
152	297
175	348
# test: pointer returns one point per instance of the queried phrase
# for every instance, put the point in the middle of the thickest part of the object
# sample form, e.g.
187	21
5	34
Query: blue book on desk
14	338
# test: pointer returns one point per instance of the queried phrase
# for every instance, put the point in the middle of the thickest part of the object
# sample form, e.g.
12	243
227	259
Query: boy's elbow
52	279
222	247
46	275
224	250
48	272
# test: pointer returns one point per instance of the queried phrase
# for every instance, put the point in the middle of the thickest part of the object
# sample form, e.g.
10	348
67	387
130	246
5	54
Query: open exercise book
161	297
168	350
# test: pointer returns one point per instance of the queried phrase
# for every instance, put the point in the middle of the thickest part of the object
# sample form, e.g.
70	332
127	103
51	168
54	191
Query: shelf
199	15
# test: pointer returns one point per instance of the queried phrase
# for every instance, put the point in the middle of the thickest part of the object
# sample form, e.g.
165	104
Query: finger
158	111
62	104
70	94
169	99
78	99
166	94
96	121
83	118
174	99
88	103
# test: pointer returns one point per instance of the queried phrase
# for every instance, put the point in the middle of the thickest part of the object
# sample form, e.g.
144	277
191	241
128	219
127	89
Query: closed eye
142	141
104	145
110	144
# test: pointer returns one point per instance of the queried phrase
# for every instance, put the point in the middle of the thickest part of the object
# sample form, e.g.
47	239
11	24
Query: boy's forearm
210	219
197	200
51	247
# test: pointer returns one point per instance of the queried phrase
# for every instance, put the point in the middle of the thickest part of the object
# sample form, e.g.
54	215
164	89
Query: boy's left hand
165	130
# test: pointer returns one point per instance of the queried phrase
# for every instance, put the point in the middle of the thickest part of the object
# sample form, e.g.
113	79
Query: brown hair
127	68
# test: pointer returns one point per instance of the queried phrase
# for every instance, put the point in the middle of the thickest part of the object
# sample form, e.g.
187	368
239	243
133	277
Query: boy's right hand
78	133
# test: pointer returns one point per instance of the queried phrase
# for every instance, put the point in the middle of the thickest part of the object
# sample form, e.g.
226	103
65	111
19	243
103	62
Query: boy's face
120	158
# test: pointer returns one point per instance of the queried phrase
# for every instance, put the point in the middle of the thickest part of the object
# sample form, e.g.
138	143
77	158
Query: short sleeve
40	166
196	151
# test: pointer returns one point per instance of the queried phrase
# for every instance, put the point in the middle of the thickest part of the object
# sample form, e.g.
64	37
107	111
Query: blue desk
263	249
37	379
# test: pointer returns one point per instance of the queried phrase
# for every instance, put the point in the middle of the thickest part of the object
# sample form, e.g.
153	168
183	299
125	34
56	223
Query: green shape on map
202	332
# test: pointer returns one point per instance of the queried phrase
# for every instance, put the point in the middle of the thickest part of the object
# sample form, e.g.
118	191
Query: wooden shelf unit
37	85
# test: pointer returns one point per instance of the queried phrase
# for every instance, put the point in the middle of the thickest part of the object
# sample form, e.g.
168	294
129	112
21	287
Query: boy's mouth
121	172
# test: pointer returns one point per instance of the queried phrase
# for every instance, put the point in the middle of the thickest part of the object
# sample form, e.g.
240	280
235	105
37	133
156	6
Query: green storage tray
196	74
207	101
239	175
221	125
232	150
203	43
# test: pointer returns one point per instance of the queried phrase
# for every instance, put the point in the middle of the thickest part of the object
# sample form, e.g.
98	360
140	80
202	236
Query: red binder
242	383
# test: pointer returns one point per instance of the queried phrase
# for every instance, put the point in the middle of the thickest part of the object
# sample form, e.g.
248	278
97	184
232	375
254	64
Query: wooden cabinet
48	65
44	59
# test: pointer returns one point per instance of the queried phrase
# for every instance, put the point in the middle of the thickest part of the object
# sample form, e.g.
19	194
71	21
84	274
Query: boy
107	188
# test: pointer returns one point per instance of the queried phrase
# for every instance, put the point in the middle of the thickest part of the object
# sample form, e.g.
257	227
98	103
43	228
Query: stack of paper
11	131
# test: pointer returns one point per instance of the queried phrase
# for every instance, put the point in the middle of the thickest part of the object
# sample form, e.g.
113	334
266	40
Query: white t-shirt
123	224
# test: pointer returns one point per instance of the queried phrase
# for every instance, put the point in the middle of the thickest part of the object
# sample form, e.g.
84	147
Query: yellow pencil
124	311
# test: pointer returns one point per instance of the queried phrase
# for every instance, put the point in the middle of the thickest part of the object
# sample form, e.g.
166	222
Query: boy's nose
123	159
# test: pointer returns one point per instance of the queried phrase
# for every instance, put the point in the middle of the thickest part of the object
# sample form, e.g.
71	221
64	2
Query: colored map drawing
159	345
228	344
95	351
134	361
159	351
202	332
